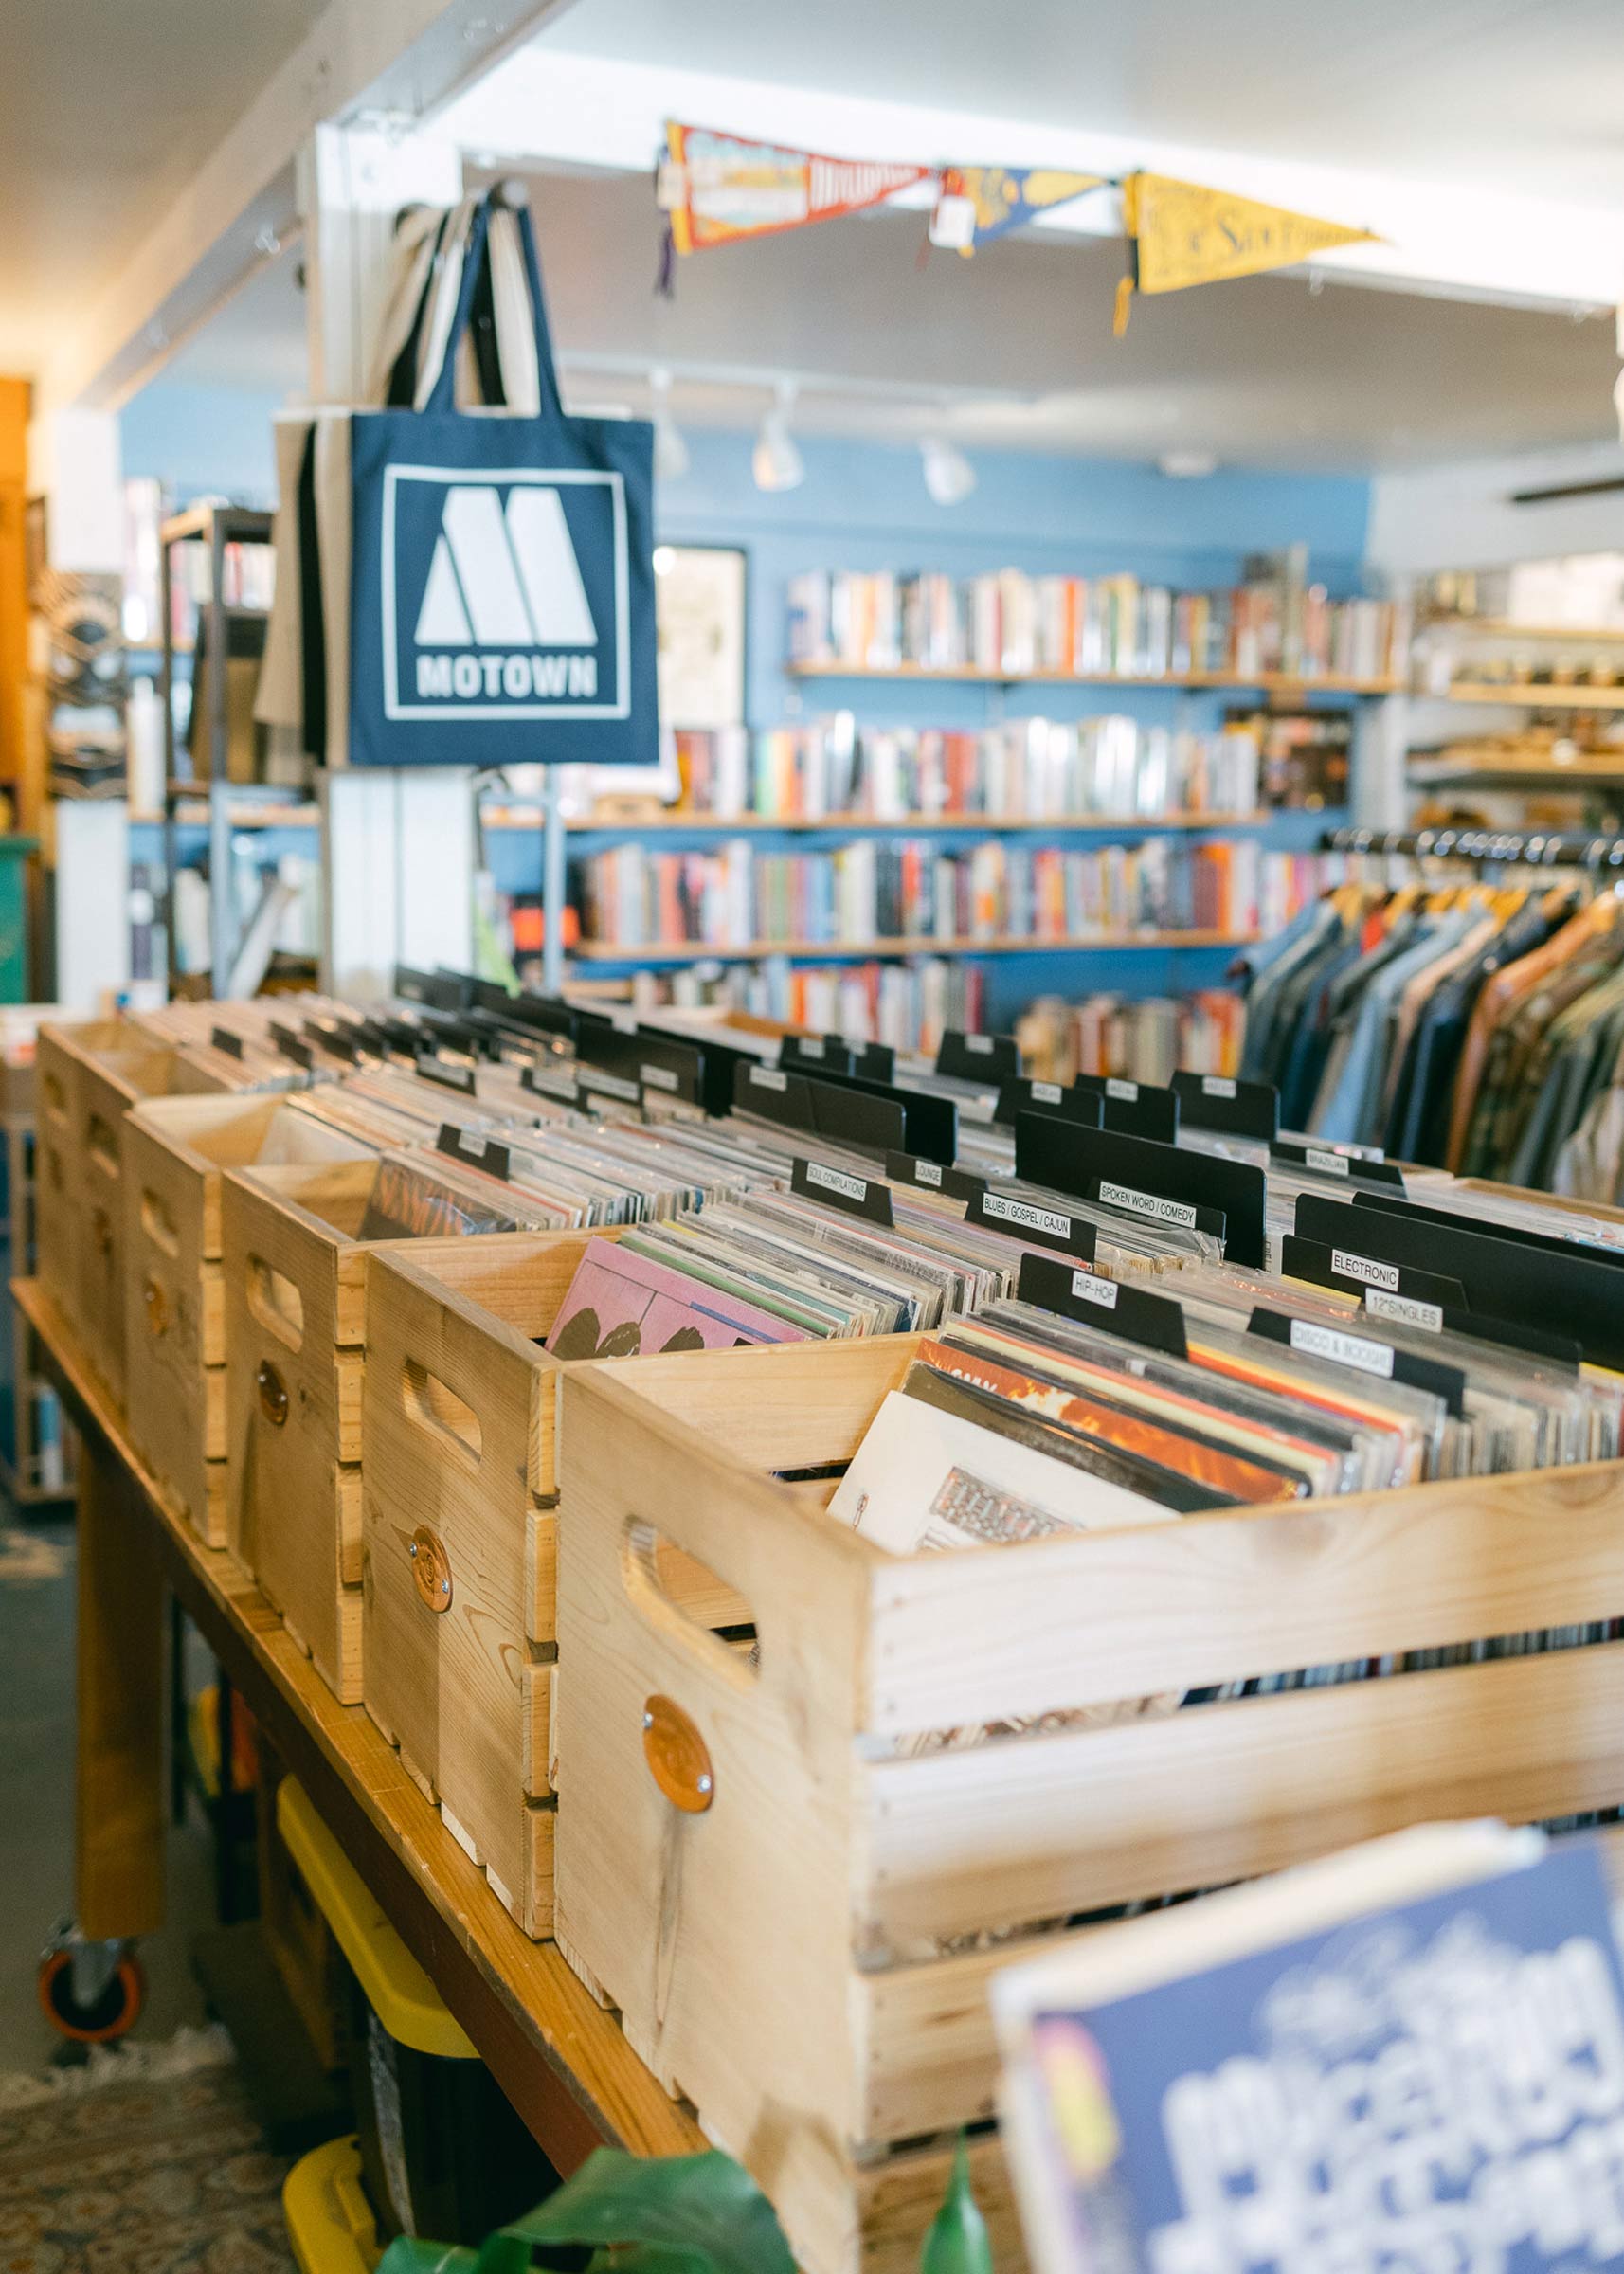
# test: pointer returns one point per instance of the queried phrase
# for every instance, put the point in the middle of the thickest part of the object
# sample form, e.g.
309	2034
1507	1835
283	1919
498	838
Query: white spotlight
670	450
948	474
1187	465
775	462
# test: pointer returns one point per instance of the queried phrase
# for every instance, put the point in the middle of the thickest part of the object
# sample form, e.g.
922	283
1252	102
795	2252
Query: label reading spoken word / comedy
1088	1287
836	1179
768	1077
658	1078
1127	1091
1022	1212
1330	1165
1407	1310
1365	1269
1148	1203
1342	1349
1216	1085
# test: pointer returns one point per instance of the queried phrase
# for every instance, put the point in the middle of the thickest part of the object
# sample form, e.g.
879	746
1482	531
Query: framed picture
699	601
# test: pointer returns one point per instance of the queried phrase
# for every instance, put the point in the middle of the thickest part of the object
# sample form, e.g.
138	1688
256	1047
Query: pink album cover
625	1306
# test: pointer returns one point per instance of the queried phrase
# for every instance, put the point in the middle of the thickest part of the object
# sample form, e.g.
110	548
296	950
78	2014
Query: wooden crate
805	1955
175	1150
459	1484
100	1068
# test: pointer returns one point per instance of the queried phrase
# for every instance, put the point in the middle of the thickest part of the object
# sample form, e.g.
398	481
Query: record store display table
561	2059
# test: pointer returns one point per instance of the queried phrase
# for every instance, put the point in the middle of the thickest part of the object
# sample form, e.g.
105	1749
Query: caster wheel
115	2008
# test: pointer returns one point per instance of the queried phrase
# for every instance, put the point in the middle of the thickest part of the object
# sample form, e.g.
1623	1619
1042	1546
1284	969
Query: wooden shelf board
1525	698
1267	682
693	952
1583	773
916	823
561	2059
1499	627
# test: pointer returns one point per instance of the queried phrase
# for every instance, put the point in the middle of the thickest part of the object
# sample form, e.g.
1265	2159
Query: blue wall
202	442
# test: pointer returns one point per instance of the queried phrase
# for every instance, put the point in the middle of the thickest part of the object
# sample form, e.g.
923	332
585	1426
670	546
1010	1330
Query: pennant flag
981	201
1185	235
717	188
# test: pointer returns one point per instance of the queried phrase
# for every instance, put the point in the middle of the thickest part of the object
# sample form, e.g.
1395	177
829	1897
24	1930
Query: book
621	1305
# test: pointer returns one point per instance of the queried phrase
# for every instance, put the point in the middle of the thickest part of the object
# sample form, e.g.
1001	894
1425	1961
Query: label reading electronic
1146	1203
1406	1310
1365	1270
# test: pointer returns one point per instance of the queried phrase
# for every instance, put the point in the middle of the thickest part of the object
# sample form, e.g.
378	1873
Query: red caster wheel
90	1992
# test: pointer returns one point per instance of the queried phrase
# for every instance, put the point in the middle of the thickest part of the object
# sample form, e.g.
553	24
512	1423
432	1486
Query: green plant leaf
704	2209
405	2255
958	2241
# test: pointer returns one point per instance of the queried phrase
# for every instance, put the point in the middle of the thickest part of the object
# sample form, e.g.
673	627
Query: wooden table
559	2057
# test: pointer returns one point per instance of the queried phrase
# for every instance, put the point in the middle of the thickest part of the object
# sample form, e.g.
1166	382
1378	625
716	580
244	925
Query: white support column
397	847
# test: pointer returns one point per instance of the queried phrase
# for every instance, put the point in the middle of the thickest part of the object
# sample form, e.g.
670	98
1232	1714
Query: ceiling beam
549	105
395	61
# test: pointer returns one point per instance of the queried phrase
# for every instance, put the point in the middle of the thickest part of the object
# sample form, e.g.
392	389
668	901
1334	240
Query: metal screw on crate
677	1757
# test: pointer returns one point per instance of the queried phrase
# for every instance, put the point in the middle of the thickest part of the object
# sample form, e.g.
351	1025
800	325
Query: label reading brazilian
1148	1203
1330	1165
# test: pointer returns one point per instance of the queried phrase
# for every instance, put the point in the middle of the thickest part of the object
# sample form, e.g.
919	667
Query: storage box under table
795	1887
174	1151
460	1516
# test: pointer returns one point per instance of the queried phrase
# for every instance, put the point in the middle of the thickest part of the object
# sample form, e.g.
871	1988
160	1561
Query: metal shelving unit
216	525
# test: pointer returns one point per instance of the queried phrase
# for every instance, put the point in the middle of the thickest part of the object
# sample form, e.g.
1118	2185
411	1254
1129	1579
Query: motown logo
505	595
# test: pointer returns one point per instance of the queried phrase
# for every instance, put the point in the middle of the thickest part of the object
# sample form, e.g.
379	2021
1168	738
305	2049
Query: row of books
1115	1038
911	889
1033	769
909	1006
1013	623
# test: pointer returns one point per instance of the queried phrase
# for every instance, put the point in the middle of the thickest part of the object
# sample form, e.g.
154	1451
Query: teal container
15	853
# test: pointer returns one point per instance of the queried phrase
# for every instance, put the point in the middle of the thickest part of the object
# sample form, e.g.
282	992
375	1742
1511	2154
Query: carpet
147	2160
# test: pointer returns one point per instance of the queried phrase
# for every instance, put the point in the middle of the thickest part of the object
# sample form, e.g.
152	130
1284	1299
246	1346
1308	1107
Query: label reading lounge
1342	1349
1365	1270
928	1172
1022	1212
836	1179
1088	1287
1332	1164
1146	1203
1407	1310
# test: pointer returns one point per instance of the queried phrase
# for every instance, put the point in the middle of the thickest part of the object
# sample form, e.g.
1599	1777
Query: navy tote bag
501	575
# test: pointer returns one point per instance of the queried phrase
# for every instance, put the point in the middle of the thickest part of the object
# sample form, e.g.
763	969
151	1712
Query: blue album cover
1432	2089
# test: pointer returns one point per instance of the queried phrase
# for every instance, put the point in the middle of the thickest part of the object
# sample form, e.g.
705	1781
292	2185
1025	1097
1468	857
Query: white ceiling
1526	94
107	109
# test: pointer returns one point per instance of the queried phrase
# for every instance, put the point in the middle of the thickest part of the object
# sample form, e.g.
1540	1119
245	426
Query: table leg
120	1861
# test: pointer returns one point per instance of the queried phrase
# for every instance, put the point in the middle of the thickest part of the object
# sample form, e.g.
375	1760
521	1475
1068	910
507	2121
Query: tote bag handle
441	396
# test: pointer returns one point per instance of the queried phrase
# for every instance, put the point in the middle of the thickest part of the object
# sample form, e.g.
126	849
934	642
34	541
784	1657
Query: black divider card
1553	1282
1026	1219
875	1061
837	1188
796	1101
1324	1160
1135	1109
1551	1242
1152	1320
1364	1353
1073	1104
931	1123
1165	1184
639	1062
222	1039
479	1152
991	1058
291	1047
1228	1106
450	1076
719	1063
1363	1275
544	1012
441	990
556	1075
818	1053
1509	1334
341	1042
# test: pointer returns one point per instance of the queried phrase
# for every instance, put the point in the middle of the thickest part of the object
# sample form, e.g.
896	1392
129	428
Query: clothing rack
1549	849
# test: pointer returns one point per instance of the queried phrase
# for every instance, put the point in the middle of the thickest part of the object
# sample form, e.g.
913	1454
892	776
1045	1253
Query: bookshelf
698	951
676	822
1268	682
1528	694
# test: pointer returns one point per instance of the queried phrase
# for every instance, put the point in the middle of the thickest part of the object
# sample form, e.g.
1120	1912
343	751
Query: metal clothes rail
1549	849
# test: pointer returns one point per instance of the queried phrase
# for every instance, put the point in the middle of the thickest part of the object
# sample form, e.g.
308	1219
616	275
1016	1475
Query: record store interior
812	1091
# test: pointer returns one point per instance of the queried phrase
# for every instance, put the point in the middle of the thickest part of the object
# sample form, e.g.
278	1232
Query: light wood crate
92	1073
175	1150
459	1482
777	1956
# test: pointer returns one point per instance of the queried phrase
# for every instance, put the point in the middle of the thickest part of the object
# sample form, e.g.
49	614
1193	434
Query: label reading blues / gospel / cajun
1330	1165
1088	1287
836	1179
1148	1203
768	1077
1342	1349
1407	1310
1022	1212
1364	1269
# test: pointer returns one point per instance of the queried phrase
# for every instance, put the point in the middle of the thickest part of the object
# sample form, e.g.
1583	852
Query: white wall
1459	516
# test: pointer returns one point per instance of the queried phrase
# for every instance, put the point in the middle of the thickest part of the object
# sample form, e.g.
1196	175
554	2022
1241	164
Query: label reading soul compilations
658	1078
1022	1212
1365	1270
1216	1085
1128	1091
1406	1308
1342	1349
1332	1164
1089	1289
1148	1203
836	1179
768	1077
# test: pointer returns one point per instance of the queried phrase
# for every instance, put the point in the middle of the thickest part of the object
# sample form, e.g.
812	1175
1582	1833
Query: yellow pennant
1187	235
